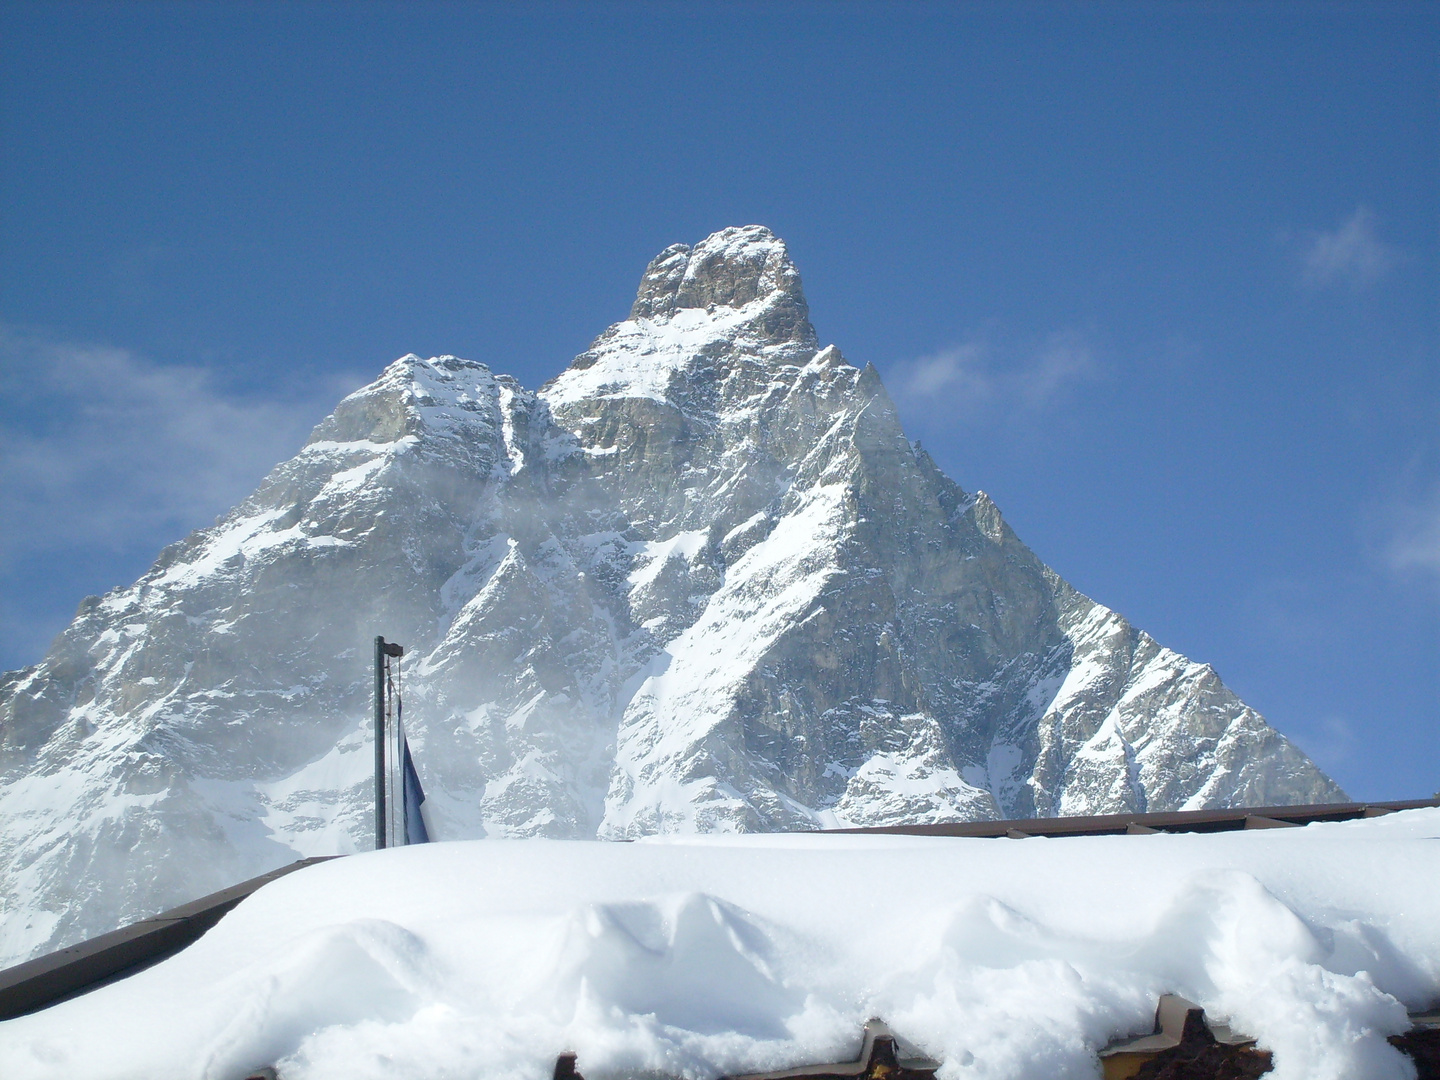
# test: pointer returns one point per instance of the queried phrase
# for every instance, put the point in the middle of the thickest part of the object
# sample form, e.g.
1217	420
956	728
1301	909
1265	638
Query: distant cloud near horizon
1351	254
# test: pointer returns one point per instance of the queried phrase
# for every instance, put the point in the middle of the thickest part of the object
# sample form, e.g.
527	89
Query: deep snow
698	955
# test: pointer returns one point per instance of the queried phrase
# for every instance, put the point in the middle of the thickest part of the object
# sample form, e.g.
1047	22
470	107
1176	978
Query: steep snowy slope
699	581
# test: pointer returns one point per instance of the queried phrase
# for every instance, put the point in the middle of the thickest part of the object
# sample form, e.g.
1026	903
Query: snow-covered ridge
736	292
700	581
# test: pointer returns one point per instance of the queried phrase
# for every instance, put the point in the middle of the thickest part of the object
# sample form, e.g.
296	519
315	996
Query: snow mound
696	956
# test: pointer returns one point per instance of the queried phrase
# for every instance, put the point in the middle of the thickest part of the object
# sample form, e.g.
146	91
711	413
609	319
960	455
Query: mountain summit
699	581
733	268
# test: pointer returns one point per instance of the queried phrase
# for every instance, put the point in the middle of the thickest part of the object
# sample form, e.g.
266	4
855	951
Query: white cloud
966	378
1413	548
958	373
100	448
1351	254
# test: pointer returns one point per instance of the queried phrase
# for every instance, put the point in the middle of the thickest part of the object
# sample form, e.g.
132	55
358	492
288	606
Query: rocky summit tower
699	581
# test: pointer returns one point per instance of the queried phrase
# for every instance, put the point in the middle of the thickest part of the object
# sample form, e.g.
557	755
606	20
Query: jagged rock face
699	581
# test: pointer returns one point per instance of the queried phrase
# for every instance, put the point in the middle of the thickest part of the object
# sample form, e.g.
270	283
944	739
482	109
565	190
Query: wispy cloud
1330	740
103	448
1350	254
1065	358
1413	546
967	378
959	373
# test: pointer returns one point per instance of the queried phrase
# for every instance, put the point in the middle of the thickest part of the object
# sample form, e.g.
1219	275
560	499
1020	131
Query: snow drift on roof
698	956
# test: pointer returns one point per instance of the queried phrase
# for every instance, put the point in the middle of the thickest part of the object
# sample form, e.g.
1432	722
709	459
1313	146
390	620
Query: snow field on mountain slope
694	956
690	691
641	356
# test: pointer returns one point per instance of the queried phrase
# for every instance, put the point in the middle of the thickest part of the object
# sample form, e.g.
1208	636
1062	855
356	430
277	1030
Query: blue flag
412	796
411	793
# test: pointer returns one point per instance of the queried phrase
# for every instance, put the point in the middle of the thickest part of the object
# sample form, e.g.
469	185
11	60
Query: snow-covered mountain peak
700	581
730	306
731	268
410	396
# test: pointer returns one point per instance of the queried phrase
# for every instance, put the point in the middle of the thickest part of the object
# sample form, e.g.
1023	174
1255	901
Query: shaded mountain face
699	581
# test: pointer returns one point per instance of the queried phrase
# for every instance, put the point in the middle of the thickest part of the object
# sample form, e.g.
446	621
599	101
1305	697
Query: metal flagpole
383	650
379	743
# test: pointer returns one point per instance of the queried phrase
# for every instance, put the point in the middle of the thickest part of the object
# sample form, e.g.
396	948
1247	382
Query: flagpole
379	743
383	649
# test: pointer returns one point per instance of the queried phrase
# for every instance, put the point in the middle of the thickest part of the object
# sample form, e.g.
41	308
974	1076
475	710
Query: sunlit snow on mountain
700	581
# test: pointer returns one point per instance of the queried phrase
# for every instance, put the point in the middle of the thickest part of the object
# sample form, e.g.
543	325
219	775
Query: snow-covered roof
698	956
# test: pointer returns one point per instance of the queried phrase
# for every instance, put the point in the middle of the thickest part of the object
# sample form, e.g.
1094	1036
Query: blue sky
1161	279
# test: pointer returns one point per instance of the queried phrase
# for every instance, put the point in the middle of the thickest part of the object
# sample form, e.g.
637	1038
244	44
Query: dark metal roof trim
1250	817
49	979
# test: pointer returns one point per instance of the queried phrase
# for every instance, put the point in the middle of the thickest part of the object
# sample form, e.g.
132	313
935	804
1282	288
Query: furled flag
412	796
